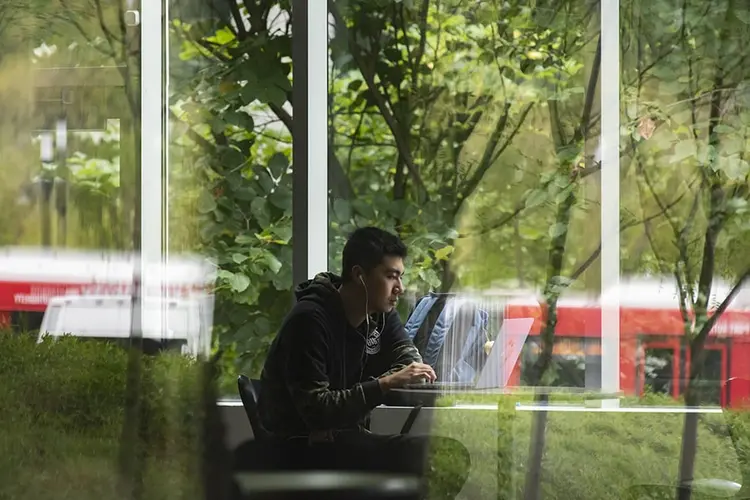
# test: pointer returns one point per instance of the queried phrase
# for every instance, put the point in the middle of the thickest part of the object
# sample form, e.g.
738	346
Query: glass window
576	362
578	166
444	120
584	160
230	166
146	148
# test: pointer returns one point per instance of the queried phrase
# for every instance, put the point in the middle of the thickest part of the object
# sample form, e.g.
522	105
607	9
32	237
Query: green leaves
558	230
444	253
342	210
444	106
239	258
742	14
206	203
259	210
363	208
682	151
536	197
272	262
278	165
239	282
264	91
239	119
223	36
281	198
734	167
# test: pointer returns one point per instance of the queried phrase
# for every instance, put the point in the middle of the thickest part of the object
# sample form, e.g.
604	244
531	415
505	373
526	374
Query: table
428	397
330	485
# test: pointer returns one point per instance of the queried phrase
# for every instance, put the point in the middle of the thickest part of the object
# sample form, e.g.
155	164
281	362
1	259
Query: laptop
500	363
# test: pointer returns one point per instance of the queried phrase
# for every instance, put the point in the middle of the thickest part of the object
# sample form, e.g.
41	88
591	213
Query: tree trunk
448	278
688	451
532	490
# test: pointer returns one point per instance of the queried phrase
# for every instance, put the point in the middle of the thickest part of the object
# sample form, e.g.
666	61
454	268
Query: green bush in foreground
63	411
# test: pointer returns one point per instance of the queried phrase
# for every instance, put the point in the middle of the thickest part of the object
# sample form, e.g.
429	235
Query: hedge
63	411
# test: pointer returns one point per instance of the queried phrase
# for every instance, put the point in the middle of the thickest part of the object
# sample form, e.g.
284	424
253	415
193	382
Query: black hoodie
321	373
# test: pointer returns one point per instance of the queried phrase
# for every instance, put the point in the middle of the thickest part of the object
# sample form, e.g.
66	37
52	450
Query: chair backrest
409	423
249	390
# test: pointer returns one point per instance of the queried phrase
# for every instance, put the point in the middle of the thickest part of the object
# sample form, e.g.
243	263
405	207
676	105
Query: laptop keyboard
440	386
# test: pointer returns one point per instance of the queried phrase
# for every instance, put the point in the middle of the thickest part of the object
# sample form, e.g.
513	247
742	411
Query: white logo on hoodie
372	344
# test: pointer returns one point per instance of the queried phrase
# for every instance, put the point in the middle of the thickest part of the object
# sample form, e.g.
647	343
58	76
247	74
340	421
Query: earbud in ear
361	280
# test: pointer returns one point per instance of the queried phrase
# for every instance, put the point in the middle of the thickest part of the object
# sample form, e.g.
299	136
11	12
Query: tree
699	122
243	158
441	92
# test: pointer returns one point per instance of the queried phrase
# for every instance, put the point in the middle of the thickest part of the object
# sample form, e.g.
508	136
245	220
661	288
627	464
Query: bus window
26	321
658	371
568	367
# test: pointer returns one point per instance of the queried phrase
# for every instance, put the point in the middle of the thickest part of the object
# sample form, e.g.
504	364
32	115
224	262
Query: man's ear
358	273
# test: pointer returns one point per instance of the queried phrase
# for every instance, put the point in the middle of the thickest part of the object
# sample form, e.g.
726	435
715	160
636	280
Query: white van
109	318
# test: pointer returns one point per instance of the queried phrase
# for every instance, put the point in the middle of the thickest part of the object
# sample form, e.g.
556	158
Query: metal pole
610	196
152	168
62	180
310	148
45	183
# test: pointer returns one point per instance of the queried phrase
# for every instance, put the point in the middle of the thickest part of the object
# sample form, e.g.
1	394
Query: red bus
29	278
653	352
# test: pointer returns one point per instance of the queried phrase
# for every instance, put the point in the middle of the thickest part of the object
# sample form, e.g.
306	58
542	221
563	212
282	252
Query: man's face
384	285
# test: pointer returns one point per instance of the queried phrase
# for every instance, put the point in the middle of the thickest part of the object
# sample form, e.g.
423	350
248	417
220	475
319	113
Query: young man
338	353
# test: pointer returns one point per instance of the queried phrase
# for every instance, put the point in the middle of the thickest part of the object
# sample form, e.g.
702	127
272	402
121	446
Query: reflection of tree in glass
698	103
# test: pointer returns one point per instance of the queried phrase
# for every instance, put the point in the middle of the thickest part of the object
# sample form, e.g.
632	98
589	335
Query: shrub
63	413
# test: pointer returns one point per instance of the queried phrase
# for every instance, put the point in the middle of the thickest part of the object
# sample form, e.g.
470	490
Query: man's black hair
366	247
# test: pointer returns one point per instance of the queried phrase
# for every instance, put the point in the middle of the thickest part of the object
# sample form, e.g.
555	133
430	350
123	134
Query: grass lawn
588	455
43	464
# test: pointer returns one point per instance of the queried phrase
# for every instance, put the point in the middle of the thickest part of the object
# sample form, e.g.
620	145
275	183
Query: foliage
695	108
80	385
63	416
243	156
690	126
451	94
463	134
408	135
590	454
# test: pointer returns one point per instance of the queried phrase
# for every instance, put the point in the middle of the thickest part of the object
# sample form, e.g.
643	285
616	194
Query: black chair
249	390
413	414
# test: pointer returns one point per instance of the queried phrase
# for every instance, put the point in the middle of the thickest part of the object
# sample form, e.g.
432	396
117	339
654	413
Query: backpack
442	320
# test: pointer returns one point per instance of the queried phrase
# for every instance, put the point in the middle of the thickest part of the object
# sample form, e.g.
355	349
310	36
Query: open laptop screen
505	353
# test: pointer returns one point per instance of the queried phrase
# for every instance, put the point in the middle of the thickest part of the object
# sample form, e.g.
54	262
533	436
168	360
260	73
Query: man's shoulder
393	323
305	314
307	310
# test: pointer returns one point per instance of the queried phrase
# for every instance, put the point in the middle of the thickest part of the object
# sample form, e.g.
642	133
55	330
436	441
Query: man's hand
415	373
